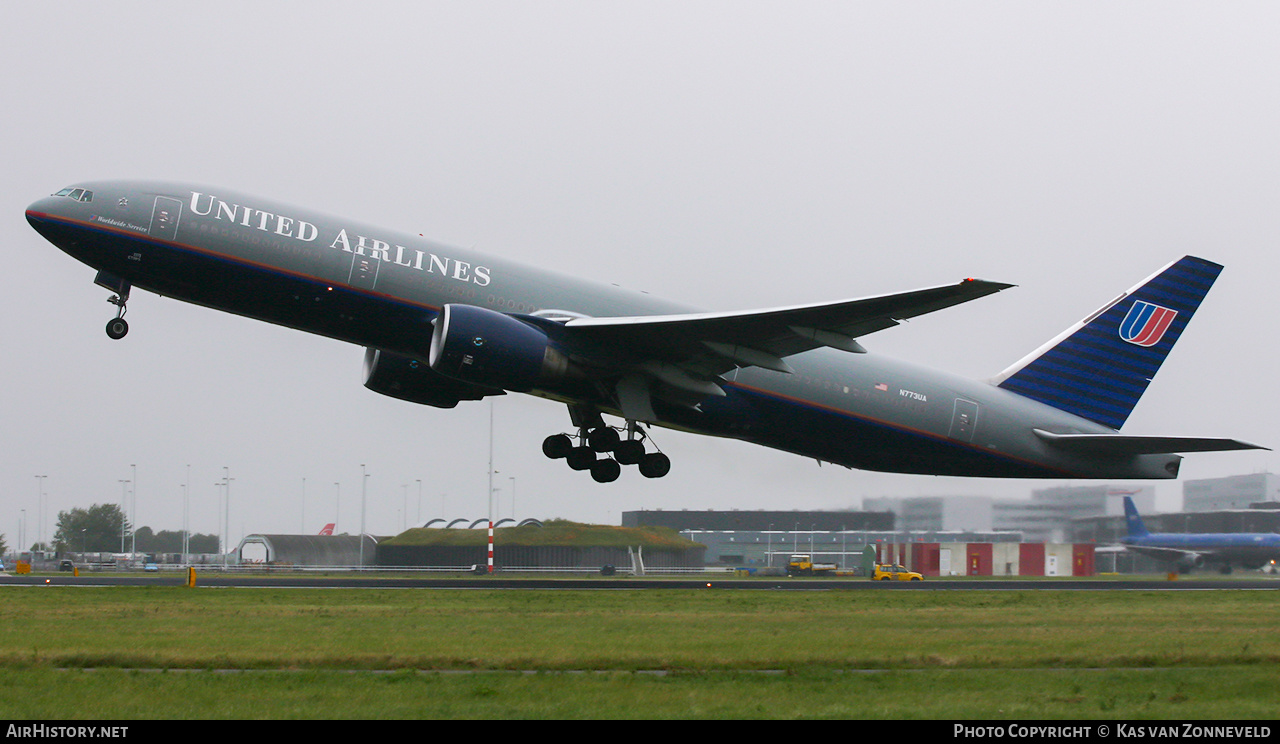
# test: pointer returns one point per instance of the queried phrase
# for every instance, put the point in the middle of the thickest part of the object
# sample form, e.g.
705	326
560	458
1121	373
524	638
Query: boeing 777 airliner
442	325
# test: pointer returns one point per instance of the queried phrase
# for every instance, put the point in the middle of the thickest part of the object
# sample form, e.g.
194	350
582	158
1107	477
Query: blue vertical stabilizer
1132	520
1100	367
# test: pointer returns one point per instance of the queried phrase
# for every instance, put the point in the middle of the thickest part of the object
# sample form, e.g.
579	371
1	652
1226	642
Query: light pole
222	538
186	518
40	506
337	504
124	501
226	514
364	477
490	562
513	496
133	515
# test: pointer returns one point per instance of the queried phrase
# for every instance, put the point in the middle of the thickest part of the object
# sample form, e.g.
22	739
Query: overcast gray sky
731	155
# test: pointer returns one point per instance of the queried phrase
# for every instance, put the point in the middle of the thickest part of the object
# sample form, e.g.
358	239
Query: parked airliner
1192	550
442	325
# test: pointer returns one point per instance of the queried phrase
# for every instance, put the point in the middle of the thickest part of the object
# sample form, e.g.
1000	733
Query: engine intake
1188	562
485	347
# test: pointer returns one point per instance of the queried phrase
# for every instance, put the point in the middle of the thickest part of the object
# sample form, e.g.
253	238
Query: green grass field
172	652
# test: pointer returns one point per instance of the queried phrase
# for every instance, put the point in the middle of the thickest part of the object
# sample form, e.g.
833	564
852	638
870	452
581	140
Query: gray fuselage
382	289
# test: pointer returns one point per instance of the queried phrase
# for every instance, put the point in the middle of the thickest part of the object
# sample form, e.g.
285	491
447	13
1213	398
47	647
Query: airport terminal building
768	539
1232	492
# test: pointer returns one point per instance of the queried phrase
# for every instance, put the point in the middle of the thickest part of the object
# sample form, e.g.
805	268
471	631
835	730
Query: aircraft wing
707	344
1123	444
1172	555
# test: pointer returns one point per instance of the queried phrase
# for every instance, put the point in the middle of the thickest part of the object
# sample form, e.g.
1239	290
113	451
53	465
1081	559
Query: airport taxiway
374	581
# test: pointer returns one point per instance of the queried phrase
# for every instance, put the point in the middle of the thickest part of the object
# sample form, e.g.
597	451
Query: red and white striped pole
491	485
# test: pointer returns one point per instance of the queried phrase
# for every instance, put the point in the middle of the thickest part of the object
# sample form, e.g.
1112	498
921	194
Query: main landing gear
595	438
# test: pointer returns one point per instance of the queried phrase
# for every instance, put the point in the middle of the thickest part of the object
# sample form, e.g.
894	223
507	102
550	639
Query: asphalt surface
510	581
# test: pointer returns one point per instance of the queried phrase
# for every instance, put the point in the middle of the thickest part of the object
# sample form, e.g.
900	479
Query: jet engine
492	349
408	379
1188	562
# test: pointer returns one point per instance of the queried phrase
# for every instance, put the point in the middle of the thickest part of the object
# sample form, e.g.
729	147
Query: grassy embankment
553	533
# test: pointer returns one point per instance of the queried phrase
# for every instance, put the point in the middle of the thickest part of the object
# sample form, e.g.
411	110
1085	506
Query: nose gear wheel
117	328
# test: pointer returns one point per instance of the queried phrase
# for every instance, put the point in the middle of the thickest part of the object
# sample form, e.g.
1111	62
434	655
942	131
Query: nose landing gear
595	438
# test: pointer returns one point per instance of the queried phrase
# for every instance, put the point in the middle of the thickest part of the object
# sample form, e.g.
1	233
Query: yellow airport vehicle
802	565
891	572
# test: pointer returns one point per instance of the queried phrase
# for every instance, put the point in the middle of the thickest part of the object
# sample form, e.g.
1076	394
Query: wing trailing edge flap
1124	444
635	400
682	350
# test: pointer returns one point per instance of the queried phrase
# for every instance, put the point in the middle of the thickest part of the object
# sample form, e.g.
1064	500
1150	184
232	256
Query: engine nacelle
408	379
1188	562
485	347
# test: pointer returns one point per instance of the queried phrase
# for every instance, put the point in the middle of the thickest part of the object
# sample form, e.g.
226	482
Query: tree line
98	530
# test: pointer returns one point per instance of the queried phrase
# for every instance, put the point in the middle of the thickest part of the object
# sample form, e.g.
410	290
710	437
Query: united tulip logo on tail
1146	323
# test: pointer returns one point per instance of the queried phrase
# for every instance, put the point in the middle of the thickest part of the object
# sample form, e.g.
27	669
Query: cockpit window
83	195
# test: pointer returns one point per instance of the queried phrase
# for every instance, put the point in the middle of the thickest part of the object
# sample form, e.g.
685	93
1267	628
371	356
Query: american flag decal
1146	323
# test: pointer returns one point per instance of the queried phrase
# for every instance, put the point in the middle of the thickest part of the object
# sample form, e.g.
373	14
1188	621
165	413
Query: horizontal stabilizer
1122	444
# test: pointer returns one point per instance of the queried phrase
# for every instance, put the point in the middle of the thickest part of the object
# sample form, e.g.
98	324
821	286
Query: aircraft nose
43	206
60	217
73	203
41	211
